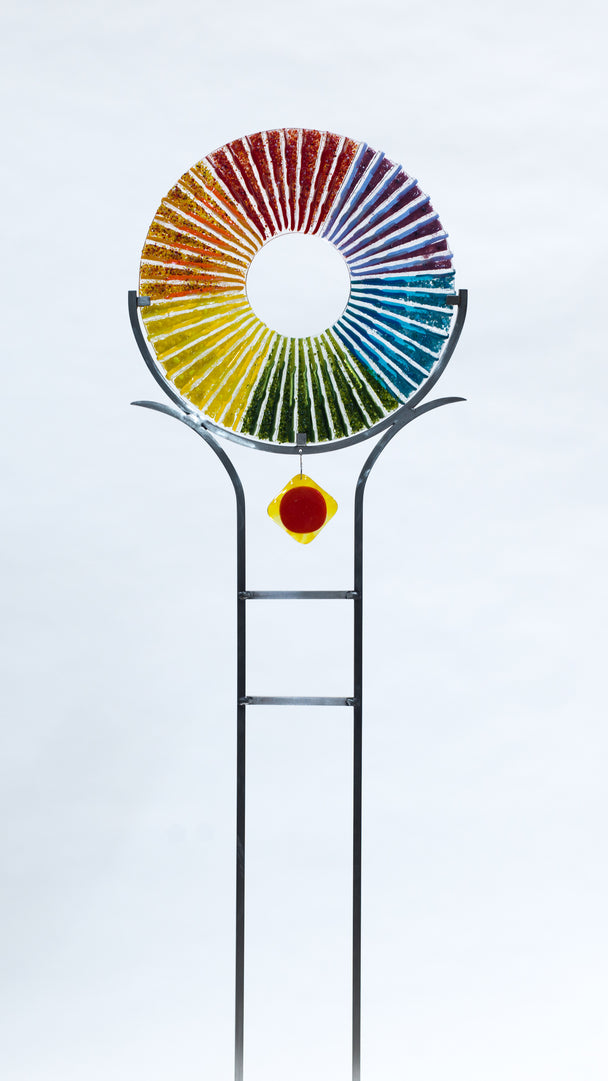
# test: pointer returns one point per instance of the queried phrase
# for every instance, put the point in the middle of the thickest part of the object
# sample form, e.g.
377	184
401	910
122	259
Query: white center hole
298	284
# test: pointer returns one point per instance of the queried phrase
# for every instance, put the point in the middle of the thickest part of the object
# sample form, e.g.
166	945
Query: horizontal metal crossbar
299	594
265	700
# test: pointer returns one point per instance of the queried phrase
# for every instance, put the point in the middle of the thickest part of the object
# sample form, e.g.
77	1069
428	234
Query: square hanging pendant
302	509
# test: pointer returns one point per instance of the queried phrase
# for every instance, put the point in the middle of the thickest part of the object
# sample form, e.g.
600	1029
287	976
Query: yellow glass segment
302	481
228	404
193	339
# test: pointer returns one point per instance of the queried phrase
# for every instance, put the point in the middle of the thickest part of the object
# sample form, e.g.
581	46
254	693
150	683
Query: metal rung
257	700
298	594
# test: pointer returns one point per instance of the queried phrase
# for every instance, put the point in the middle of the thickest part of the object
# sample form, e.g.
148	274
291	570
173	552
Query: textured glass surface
244	375
302	508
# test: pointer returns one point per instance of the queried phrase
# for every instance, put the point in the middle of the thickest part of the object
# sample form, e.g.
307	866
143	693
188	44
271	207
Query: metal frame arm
241	738
405	416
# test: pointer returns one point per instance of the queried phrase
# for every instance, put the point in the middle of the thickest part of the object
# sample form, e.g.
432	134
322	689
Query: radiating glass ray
407	201
391	237
187	236
395	367
379	196
181	366
181	209
259	152
335	164
273	145
356	168
365	188
221	205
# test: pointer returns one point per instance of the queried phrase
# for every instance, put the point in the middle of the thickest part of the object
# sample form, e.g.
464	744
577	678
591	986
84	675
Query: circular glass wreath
244	376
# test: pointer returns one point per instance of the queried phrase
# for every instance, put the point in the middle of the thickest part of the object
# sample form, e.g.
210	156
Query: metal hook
301	443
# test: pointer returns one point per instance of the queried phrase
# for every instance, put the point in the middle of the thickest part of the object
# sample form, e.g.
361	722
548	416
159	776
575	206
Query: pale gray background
485	885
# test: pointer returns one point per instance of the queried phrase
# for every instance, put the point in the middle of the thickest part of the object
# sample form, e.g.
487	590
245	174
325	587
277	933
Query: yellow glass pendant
302	509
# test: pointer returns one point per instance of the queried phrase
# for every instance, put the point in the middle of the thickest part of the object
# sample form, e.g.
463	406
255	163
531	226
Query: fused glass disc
247	377
302	508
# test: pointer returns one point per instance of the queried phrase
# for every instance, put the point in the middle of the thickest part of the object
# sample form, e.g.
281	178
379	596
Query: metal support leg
241	740
357	785
405	418
240	897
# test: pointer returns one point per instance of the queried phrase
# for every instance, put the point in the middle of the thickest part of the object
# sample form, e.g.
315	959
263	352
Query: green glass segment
253	411
286	432
337	418
269	419
356	417
304	405
320	404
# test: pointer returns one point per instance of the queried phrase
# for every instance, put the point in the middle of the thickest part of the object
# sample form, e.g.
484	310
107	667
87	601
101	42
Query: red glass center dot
303	509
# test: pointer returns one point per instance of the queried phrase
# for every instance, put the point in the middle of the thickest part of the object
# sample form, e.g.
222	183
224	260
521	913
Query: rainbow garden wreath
246	377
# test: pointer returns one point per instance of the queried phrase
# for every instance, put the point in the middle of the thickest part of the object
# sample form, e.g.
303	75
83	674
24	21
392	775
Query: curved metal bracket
192	421
407	415
149	361
459	300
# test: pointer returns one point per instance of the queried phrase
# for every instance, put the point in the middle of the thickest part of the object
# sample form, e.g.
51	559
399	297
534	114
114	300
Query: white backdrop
485	884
